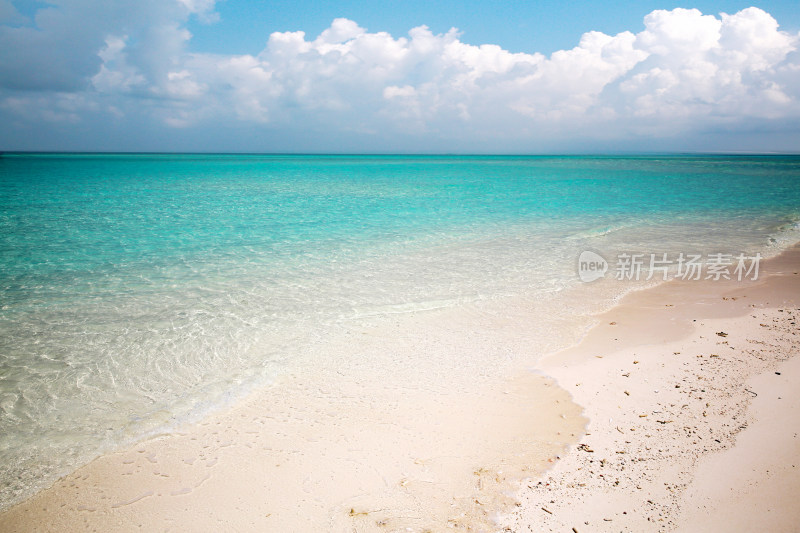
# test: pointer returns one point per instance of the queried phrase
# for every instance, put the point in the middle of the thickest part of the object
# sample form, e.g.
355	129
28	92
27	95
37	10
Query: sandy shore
693	395
690	390
423	441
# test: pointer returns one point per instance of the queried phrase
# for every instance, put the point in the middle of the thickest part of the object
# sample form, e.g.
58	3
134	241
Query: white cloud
679	33
181	85
204	9
341	31
393	91
751	39
704	68
115	74
62	49
685	72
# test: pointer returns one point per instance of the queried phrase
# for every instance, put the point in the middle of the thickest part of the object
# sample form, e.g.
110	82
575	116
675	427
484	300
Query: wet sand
426	441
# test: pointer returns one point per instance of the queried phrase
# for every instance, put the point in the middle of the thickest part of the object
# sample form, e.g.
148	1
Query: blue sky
514	25
414	76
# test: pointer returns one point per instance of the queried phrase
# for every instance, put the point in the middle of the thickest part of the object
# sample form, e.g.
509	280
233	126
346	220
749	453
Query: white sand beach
690	391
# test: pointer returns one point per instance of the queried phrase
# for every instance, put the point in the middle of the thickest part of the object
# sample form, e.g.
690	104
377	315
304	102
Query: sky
399	77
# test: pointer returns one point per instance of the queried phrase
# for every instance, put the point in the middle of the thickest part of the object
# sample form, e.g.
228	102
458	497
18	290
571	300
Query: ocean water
139	291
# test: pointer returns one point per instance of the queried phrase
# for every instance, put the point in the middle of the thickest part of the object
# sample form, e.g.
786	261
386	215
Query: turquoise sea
141	291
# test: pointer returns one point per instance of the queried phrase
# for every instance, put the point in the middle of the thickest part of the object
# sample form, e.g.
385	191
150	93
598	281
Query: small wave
784	236
404	308
593	233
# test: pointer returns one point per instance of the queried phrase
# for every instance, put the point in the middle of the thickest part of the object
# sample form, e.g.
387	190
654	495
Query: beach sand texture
406	448
690	390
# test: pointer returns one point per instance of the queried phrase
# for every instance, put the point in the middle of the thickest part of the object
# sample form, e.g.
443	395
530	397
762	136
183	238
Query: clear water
140	290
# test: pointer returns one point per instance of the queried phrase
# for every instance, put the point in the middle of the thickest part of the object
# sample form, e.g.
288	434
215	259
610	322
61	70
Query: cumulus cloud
683	74
700	66
63	47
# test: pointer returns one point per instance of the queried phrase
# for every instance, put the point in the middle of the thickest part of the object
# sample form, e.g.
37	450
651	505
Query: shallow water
138	291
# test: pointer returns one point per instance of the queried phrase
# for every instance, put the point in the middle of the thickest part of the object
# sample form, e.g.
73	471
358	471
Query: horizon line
403	154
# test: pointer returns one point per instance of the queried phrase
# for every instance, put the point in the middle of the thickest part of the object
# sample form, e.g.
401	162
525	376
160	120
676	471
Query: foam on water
140	291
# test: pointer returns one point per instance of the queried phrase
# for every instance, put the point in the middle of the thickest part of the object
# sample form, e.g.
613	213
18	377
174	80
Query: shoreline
683	389
391	452
415	443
